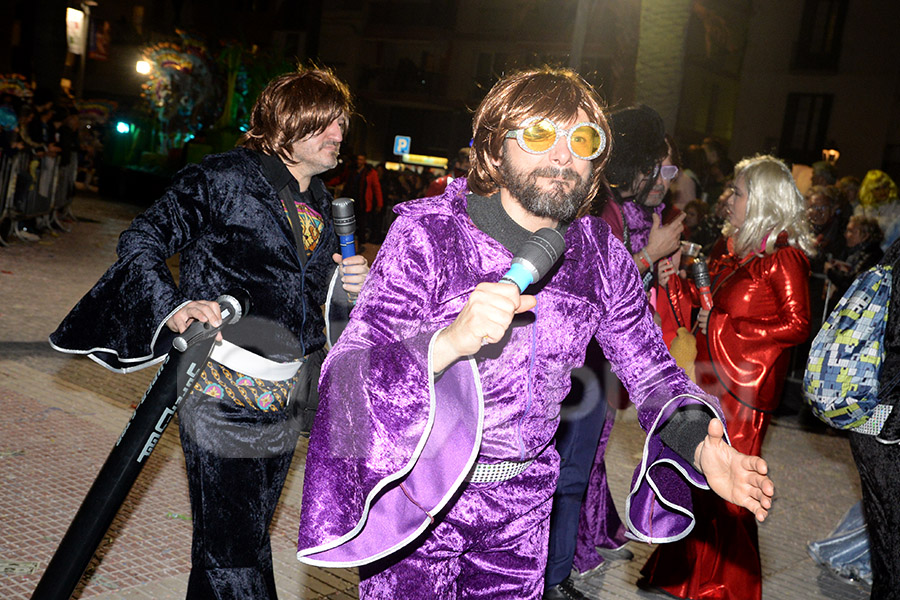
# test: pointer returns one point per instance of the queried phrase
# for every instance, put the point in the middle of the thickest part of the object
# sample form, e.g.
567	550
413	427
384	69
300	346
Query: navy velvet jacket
226	220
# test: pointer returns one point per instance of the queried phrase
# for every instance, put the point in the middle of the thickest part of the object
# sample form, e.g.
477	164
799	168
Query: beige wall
865	88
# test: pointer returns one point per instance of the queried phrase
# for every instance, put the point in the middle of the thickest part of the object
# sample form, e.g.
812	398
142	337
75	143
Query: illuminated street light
142	67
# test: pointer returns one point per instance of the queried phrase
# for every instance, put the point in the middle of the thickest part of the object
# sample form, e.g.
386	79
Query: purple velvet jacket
392	443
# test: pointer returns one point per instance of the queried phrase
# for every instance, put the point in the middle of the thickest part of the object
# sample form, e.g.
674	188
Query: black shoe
565	590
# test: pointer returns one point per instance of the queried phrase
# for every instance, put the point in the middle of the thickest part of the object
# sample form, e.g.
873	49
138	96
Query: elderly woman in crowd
864	237
760	309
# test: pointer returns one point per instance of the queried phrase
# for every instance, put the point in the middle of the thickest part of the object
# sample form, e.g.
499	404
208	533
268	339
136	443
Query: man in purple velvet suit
431	464
255	217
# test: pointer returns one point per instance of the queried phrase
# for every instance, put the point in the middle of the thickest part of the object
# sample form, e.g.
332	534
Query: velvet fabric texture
878	465
599	523
379	398
237	459
491	545
228	223
761	309
639	220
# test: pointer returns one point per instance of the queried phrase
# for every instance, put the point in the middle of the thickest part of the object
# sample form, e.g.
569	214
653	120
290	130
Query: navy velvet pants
581	425
237	460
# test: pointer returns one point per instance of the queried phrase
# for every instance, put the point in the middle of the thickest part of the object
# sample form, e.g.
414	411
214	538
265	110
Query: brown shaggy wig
295	106
547	92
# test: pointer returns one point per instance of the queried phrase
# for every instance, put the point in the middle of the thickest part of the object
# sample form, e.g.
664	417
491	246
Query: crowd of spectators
43	158
376	189
851	222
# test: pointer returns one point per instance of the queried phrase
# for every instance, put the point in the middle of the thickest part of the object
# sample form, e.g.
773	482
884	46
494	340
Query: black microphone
535	258
700	271
233	304
344	225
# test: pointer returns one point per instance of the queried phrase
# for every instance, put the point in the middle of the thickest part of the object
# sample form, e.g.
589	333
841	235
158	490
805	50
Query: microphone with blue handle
345	225
345	228
535	258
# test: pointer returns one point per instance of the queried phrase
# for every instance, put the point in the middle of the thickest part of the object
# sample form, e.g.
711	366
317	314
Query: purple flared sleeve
658	507
391	441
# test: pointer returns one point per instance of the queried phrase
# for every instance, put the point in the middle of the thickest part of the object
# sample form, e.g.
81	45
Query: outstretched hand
736	477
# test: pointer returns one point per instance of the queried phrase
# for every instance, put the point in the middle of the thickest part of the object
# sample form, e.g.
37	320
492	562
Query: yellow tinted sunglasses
538	135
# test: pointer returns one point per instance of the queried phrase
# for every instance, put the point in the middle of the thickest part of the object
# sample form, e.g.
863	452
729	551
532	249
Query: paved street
60	415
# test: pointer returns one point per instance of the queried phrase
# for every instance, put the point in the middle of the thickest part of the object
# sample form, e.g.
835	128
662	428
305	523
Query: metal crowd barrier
34	188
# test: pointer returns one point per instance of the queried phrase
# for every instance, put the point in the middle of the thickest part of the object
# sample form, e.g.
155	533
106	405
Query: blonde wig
877	188
547	92
774	205
295	106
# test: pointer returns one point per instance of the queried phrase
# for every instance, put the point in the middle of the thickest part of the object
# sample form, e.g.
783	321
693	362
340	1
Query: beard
558	203
655	196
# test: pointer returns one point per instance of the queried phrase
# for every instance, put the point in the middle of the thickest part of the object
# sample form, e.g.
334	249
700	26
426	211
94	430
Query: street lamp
142	67
830	153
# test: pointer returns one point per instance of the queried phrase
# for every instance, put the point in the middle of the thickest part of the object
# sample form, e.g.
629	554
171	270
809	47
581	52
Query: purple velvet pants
491	544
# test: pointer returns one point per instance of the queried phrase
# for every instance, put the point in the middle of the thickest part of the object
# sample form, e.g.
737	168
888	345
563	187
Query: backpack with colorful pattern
841	379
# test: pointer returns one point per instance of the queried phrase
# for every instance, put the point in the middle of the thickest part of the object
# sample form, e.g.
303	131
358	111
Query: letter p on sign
401	144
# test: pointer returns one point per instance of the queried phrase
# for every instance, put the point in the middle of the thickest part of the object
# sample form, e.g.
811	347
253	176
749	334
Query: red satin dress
760	309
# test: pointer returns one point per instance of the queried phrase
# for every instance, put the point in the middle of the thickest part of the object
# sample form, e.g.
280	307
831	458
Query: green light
123	127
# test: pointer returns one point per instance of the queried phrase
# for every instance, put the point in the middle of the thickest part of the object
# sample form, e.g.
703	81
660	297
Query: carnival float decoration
180	91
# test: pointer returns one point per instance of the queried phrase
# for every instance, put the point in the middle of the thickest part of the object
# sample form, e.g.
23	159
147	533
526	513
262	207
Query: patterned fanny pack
249	380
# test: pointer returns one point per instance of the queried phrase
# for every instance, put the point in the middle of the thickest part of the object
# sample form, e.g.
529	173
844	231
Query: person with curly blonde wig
760	309
879	199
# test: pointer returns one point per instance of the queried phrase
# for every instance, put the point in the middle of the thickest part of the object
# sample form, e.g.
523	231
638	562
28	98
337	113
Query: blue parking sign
401	144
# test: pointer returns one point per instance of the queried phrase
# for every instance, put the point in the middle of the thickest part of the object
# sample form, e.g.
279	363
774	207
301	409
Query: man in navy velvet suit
258	218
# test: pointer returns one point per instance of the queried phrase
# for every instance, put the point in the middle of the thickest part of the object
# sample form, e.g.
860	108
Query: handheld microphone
701	277
535	258
234	304
344	225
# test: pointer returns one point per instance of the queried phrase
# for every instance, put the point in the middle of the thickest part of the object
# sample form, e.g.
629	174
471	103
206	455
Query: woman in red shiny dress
760	309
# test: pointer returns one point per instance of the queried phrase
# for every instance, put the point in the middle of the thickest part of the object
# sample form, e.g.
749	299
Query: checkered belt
489	473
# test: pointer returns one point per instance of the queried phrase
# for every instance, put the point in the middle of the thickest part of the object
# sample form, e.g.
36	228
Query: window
805	127
819	43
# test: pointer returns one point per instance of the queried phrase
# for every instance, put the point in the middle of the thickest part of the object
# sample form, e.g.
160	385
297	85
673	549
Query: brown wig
547	92
295	106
